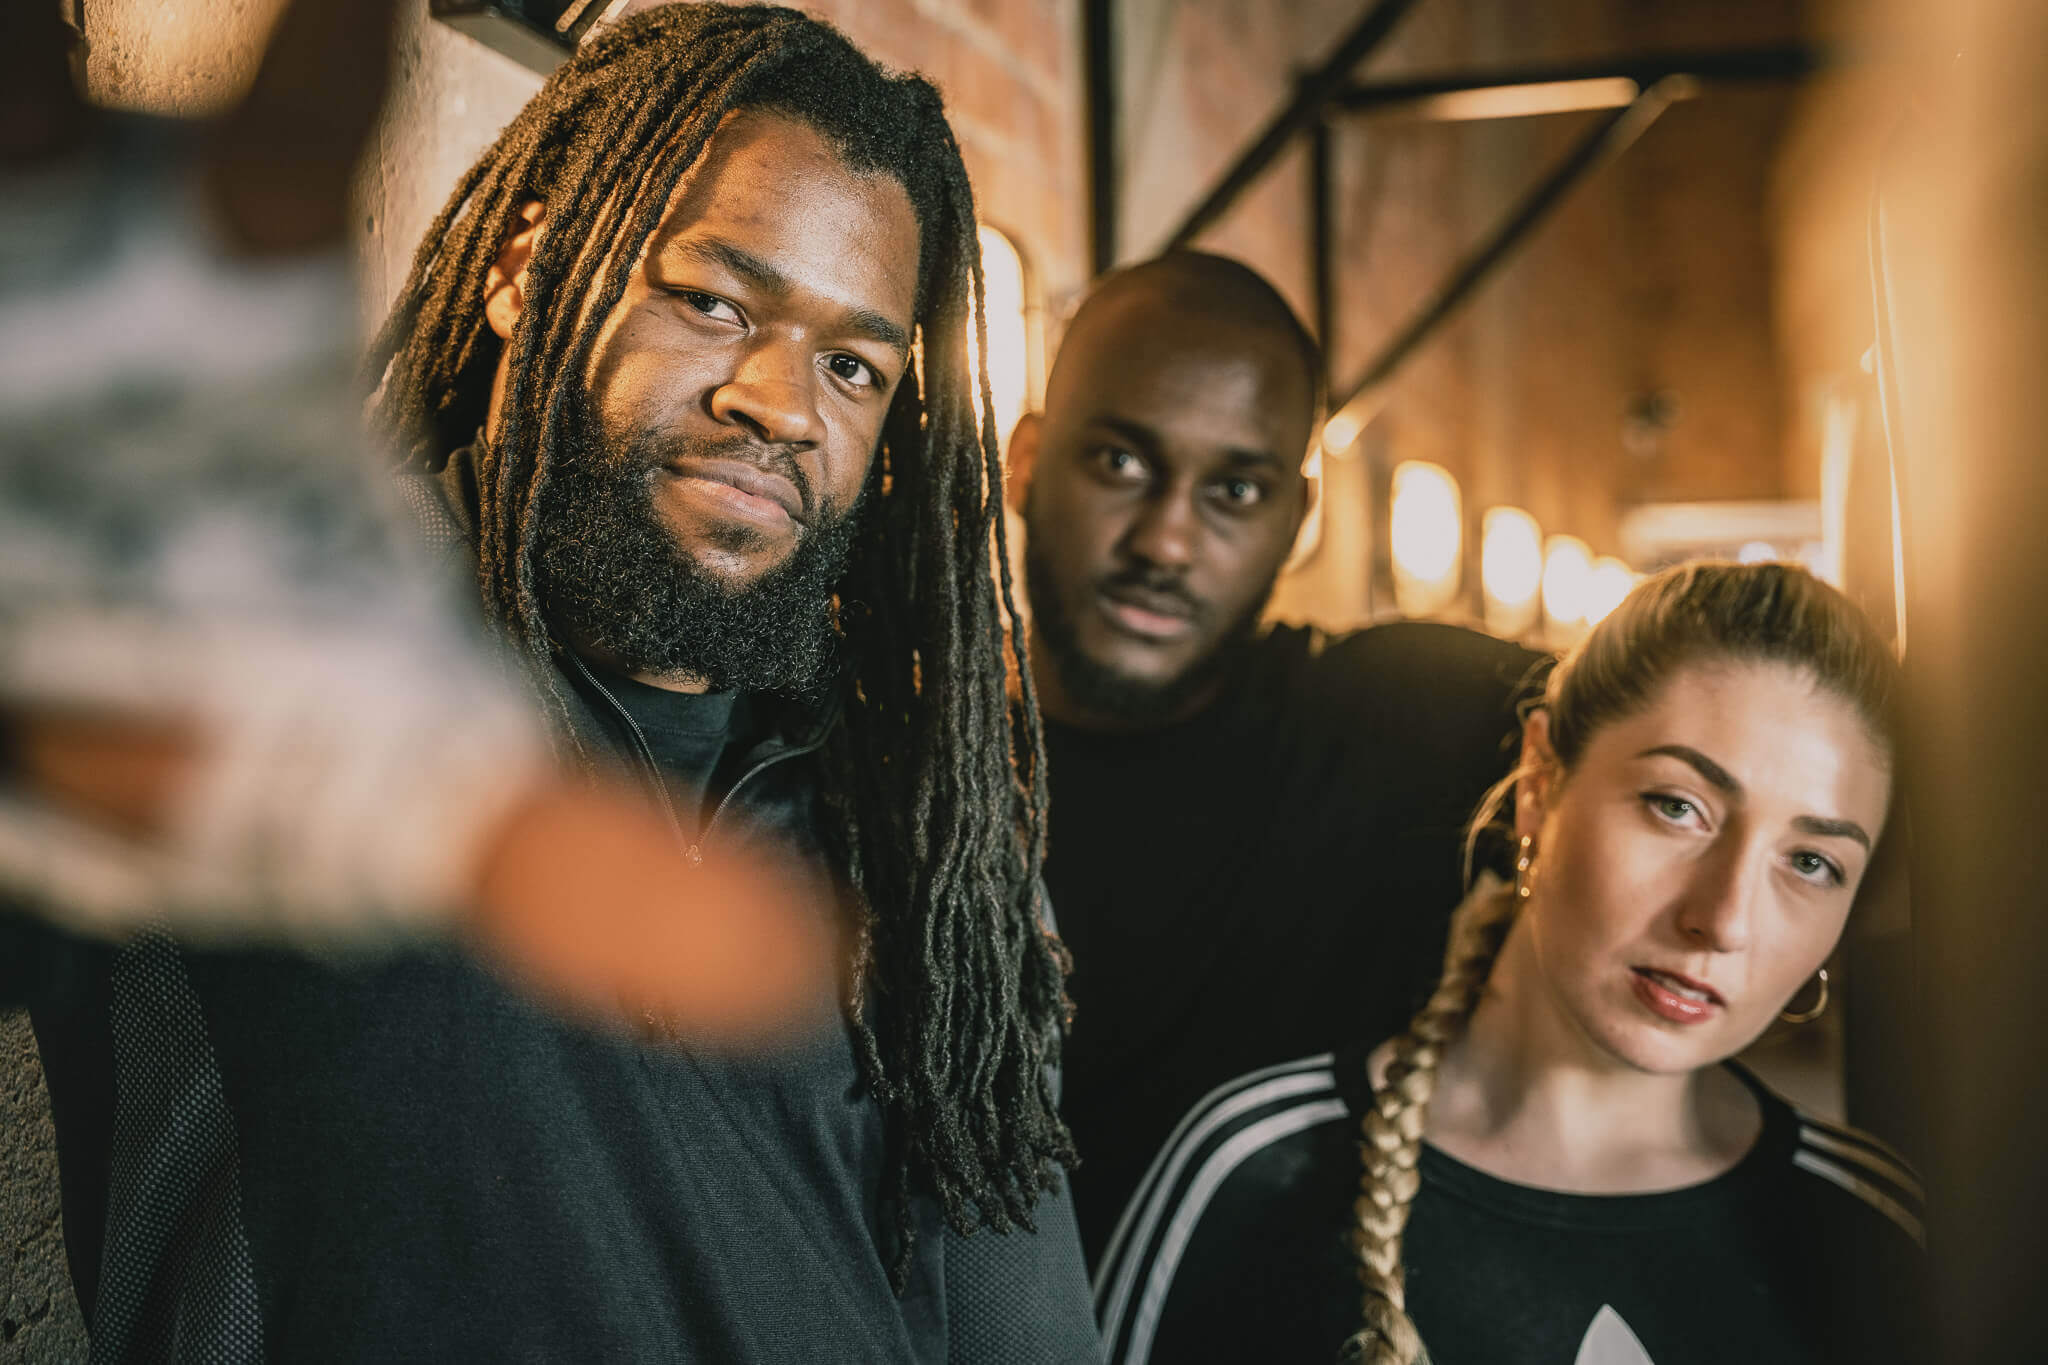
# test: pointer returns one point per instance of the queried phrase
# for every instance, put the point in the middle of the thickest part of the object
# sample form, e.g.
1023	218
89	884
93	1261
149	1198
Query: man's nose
1166	530
773	394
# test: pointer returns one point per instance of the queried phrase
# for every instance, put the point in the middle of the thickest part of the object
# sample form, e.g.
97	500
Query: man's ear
1535	775
1023	460
505	284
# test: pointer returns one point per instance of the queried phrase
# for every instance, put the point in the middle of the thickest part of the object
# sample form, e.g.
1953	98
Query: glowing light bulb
1510	569
1427	535
1002	272
1567	581
1610	581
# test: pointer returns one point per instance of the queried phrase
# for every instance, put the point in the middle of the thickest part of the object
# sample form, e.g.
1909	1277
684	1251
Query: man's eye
710	305
1120	463
853	370
1242	492
1817	868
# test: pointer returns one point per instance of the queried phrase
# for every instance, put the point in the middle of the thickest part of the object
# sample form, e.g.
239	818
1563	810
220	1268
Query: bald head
1218	301
1162	486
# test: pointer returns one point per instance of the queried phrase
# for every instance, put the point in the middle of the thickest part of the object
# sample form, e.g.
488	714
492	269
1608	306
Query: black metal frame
1098	64
1637	89
538	34
1608	139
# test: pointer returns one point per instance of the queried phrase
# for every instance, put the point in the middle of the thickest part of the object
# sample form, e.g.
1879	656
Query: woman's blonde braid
1392	1131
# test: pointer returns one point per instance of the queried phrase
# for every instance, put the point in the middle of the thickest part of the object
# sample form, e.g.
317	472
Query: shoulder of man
1406	677
1402	654
440	504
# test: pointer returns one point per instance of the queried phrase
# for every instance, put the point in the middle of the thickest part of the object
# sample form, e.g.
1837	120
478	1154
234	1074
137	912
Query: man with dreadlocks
684	364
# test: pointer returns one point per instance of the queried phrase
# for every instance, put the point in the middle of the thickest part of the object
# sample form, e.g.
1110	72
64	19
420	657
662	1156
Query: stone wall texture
39	1322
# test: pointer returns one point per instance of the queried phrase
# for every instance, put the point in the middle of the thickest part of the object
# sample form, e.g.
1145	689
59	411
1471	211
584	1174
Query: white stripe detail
1172	1155
1864	1190
1843	1130
1895	1172
1216	1170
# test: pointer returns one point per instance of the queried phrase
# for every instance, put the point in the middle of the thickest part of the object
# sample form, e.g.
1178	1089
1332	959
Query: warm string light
1610	581
1511	570
1567	586
1008	343
1527	581
1427	537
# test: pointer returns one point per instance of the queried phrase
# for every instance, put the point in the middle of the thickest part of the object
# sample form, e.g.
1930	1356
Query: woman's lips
1677	998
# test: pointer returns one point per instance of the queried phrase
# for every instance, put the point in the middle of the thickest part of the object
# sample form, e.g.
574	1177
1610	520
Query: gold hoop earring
1523	862
1820	1006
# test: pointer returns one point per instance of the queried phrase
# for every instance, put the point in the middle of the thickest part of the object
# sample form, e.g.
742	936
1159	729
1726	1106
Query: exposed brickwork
1010	71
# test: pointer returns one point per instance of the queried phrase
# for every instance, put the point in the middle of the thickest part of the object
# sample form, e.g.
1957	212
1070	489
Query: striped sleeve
1865	1168
1226	1128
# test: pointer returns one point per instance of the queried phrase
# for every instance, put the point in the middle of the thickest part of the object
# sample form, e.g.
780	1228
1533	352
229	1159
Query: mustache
1155	583
650	452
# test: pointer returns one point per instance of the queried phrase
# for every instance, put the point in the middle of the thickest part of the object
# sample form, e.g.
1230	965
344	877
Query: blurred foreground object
1959	256
236	701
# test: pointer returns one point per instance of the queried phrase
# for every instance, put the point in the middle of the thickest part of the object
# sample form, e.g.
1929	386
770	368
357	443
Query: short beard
1106	692
610	571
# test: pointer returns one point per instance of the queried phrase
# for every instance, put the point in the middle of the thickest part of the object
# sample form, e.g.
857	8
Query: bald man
1255	837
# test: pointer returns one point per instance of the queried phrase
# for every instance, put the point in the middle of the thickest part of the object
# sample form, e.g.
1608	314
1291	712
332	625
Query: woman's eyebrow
1706	767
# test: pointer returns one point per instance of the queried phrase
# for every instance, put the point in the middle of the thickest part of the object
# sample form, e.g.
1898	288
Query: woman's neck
1527	1096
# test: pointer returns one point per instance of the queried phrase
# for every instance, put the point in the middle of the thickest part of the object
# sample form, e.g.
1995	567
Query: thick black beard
1105	692
612	574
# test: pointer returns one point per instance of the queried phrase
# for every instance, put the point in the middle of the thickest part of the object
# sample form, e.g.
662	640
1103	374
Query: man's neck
1058	704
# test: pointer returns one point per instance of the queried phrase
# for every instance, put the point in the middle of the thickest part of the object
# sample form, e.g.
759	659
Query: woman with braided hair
1557	1161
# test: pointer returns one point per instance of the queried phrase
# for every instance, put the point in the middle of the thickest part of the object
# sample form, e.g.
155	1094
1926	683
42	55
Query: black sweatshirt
1278	871
269	1157
1805	1252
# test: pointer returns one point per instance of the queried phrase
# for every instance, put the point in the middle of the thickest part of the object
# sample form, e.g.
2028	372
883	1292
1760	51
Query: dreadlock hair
1686	616
936	779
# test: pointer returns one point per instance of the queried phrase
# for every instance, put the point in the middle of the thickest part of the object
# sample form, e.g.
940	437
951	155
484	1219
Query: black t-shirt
1239	889
695	739
1807	1250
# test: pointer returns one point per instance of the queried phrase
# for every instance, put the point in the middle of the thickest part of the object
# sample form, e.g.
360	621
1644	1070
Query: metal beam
538	34
1322	219
1098	55
1614	135
1521	92
1314	92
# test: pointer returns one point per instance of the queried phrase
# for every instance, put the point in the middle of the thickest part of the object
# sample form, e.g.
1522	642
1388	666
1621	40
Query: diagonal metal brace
1614	135
1315	90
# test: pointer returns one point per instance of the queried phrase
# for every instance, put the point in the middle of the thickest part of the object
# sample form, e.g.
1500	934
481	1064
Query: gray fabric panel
176	1282
1021	1297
